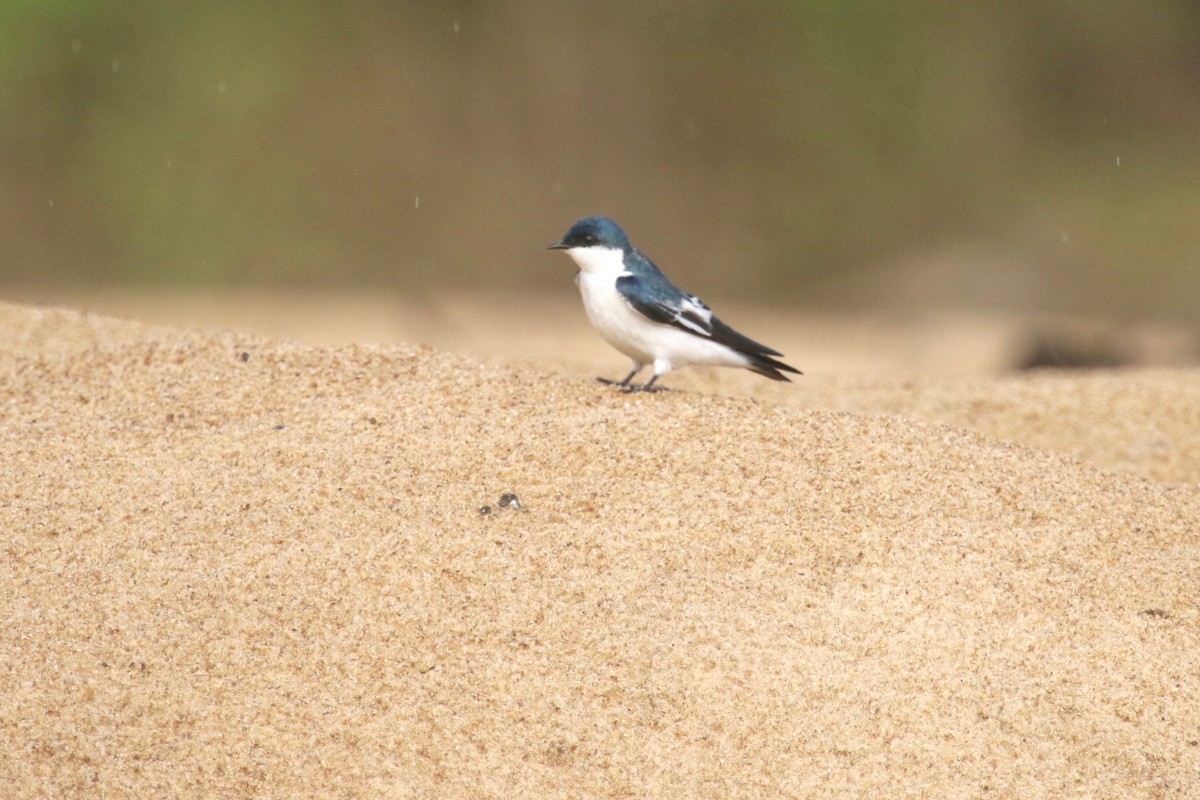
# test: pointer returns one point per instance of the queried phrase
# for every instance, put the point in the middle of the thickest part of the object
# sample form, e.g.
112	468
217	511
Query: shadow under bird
641	313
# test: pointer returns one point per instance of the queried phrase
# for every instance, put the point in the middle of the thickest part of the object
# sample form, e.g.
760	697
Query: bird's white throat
599	260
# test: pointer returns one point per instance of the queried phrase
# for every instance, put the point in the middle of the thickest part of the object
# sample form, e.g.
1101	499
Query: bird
637	310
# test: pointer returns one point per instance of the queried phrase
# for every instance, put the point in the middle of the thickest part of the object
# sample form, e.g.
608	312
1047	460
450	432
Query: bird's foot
628	387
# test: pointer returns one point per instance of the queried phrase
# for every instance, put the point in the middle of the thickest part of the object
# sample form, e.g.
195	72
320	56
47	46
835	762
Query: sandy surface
245	567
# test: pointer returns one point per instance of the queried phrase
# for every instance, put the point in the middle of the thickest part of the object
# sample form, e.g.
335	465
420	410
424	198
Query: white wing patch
693	315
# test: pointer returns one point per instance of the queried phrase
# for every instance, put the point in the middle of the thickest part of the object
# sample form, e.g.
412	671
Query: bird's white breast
614	318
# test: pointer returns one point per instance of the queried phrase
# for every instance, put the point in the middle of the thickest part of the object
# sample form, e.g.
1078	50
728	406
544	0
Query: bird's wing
656	298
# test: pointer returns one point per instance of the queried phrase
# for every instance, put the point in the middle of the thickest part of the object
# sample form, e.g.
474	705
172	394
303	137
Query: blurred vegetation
1039	155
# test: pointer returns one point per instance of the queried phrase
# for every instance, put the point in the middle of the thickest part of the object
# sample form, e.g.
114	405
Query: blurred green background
1030	155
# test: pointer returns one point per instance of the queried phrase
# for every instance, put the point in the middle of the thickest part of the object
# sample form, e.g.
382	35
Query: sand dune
241	567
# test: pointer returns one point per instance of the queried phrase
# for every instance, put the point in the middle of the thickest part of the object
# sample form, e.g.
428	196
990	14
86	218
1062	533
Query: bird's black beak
558	246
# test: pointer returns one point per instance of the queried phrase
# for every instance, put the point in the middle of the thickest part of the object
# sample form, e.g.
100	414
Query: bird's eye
589	239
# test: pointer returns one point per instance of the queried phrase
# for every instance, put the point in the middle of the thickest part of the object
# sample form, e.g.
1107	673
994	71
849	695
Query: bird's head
596	244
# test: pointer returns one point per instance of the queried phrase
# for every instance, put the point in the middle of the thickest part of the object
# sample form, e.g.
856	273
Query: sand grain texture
237	567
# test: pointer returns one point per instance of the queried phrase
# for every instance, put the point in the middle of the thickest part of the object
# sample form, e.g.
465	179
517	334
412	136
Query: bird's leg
625	383
649	386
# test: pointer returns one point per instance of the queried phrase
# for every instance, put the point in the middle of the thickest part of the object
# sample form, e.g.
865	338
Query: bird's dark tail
758	356
769	367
